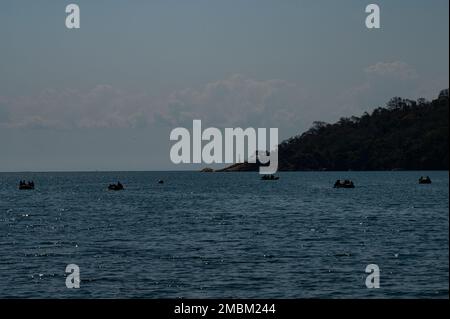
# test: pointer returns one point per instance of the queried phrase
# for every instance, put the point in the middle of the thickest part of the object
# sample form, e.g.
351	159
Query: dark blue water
224	235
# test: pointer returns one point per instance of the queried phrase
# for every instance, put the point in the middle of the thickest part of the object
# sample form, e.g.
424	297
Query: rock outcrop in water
403	135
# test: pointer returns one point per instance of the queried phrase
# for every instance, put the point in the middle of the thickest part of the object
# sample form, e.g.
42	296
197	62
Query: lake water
220	235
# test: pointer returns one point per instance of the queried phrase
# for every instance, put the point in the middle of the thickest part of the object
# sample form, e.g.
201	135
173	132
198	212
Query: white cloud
238	101
102	106
397	70
231	102
235	101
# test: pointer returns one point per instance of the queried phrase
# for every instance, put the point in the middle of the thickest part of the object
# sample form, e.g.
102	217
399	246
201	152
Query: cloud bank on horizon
235	101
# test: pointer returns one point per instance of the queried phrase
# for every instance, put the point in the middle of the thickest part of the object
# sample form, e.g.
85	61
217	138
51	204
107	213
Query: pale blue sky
105	97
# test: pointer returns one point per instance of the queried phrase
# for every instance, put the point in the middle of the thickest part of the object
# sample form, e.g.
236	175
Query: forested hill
405	134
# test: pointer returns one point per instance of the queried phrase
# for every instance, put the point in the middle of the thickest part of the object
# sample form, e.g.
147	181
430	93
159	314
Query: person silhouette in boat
425	180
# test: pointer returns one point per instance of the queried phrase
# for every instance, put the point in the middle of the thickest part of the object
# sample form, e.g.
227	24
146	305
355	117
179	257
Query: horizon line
215	171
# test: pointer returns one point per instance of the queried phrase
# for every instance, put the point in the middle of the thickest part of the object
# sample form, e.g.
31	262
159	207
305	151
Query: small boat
270	177
116	187
424	180
344	184
160	181
26	186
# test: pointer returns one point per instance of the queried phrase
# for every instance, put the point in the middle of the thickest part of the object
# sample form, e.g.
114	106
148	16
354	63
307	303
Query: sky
106	96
